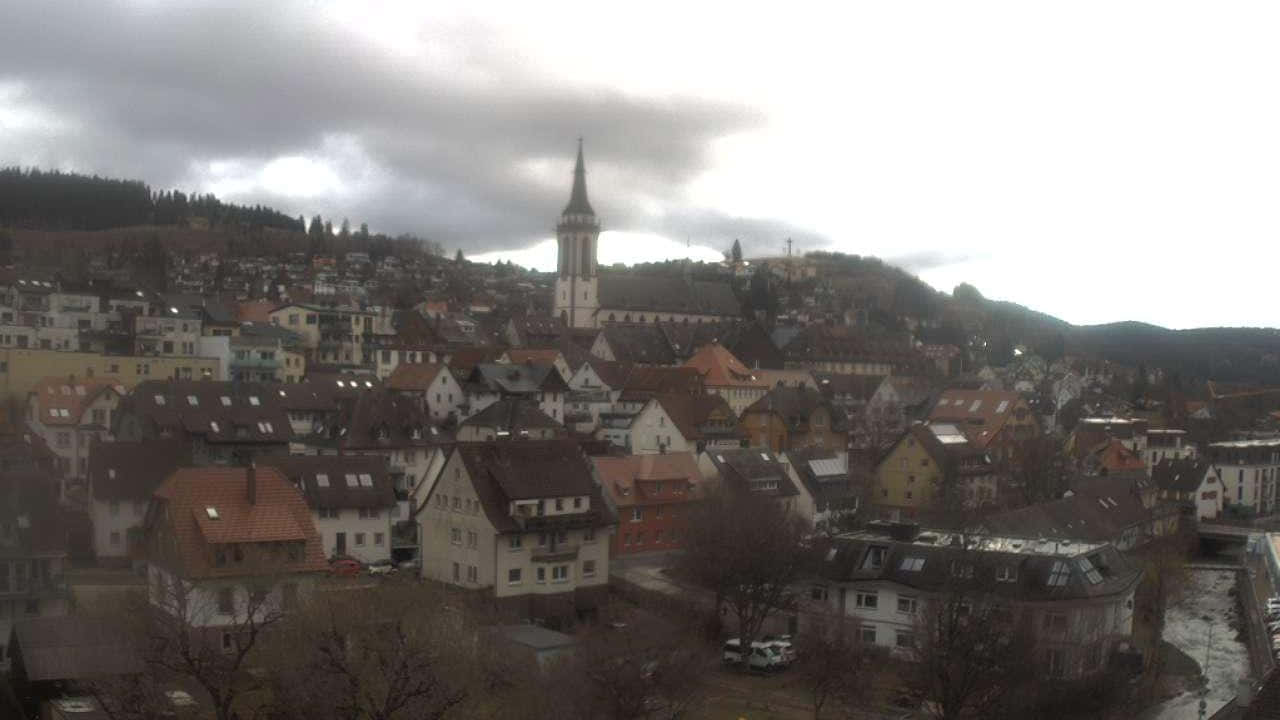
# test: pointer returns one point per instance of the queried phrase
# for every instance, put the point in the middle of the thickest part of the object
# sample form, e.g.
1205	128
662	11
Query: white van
763	656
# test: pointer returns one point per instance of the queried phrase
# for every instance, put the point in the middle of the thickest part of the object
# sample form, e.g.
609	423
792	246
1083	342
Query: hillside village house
649	430
490	382
594	388
33	551
69	414
535	356
704	421
226	541
513	418
1248	470
751	470
524	523
224	422
1192	484
351	499
726	376
928	467
993	420
828	494
122	478
795	417
652	496
25	368
432	385
1075	598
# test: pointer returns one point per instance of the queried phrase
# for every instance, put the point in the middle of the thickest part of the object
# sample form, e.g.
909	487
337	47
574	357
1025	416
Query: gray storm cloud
161	92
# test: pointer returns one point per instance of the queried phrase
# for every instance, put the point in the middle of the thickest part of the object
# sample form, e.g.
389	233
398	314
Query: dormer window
193	401
322	480
366	480
875	558
226	401
159	399
961	569
352	480
253	400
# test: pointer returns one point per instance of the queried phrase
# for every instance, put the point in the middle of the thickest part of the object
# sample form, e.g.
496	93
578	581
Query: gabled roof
825	475
337	481
1082	516
612	374
721	369
644	344
131	471
624	477
696	416
645	382
218	411
464	359
752	470
518	379
854	387
512	414
382	420
1183	476
278	514
666	294
981	414
29	505
1112	455
63	401
504	471
795	405
414	377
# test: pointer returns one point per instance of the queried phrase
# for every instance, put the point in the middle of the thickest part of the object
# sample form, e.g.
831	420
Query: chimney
251	477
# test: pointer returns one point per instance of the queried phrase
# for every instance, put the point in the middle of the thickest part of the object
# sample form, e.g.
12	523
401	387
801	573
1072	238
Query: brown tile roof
613	374
621	475
255	311
842	387
980	414
795	405
512	414
702	417
63	401
531	355
464	359
131	471
645	344
337	481
414	377
279	514
1114	456
645	382
721	369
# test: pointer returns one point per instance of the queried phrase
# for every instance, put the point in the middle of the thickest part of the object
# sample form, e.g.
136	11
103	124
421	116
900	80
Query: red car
345	567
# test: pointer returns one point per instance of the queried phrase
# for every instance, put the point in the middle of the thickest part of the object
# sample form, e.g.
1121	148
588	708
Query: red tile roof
414	376
63	401
722	369
278	514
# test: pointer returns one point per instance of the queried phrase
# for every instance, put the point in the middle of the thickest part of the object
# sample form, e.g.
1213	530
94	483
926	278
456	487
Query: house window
455	536
589	535
868	634
637	514
961	569
226	602
378	538
473	539
906	605
875	558
588	568
115	508
559	573
542	574
1092	656
577	503
868	601
1006	573
472	574
515	542
513	576
904	639
359	539
457	576
115	538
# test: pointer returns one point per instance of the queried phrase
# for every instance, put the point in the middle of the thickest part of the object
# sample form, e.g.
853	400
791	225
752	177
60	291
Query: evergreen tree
736	252
458	258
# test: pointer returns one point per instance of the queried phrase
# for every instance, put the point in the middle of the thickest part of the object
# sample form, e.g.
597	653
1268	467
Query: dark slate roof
795	405
1181	476
73	647
372	489
504	471
1034	562
578	203
667	294
131	471
752	470
29	503
222	412
825	476
612	374
518	379
842	386
644	344
512	414
1082	516
382	420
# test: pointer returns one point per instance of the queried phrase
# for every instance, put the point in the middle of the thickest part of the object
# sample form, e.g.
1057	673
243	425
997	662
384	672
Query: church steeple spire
578	203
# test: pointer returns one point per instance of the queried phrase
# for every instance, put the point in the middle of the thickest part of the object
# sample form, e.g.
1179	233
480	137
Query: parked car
381	567
345	567
411	564
782	643
763	657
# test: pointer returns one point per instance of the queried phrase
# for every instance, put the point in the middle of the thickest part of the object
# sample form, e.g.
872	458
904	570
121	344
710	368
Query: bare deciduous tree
833	664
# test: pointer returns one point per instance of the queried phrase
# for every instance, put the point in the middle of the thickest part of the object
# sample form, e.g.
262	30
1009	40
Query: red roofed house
993	420
225	542
726	376
653	495
67	413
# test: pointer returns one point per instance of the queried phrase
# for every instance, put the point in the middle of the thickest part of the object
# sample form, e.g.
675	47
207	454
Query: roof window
213	425
366	480
912	564
1090	572
212	513
1058	576
159	399
322	480
226	401
352	480
53	412
193	401
253	400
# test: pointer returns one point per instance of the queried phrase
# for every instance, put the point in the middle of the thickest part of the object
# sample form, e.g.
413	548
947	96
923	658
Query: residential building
932	468
537	356
898	401
225	541
1076	599
69	414
1098	510
593	389
522	522
433	385
726	376
750	470
122	478
828	493
838	349
351	499
1248	470
1191	484
224	422
704	421
795	417
652	496
490	382
1167	443
511	419
994	421
649	430
33	551
176	332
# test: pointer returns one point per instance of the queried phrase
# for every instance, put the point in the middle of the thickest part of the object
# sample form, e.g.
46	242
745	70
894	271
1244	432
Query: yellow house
929	469
22	368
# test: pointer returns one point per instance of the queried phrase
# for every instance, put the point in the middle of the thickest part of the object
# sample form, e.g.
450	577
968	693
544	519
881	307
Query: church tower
577	282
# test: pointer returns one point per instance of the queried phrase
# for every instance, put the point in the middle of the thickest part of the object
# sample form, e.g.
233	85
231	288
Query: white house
648	431
351	498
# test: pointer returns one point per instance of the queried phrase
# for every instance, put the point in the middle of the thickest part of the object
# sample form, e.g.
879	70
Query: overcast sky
1096	160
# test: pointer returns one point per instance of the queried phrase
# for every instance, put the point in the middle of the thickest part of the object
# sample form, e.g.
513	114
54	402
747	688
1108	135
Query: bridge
1217	537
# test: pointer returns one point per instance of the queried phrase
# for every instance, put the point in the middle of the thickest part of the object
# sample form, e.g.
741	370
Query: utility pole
788	247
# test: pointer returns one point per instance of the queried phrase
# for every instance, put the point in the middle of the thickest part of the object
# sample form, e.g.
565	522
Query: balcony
555	552
256	363
537	523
